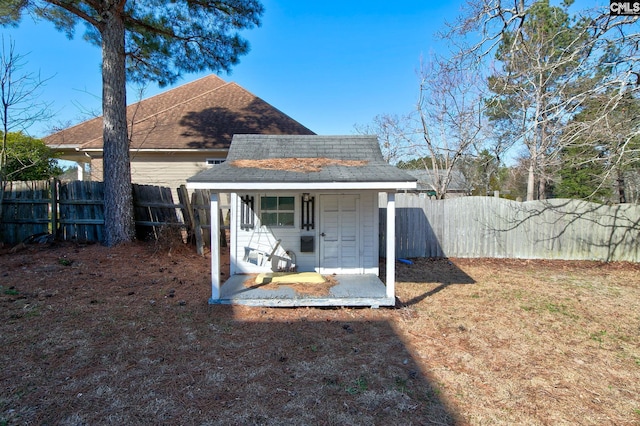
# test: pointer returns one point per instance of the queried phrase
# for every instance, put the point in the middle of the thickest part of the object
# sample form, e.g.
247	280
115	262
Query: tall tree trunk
542	189
622	198
531	181
118	199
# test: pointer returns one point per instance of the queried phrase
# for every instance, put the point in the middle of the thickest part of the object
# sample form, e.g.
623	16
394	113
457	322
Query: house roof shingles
364	150
203	114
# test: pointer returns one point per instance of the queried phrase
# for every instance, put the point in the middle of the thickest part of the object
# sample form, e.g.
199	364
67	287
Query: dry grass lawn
91	335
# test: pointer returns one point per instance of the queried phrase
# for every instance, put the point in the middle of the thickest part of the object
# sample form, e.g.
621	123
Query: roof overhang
303	186
71	146
161	150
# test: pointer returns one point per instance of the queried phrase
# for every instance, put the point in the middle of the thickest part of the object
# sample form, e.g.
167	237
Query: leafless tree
448	113
444	126
552	79
390	130
19	94
21	107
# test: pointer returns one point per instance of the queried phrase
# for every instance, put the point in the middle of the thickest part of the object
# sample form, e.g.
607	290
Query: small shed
303	206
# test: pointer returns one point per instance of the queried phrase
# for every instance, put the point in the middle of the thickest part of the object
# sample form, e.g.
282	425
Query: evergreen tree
600	157
581	175
484	173
142	40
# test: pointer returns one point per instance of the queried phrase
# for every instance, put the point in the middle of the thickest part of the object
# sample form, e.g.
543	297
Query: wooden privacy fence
495	227
74	211
24	210
456	227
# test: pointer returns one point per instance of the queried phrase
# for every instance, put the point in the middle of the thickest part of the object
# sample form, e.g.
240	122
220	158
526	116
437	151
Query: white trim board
302	186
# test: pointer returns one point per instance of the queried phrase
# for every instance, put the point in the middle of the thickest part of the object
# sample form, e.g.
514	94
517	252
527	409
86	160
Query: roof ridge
155	114
203	113
182	86
146	100
181	102
227	84
277	109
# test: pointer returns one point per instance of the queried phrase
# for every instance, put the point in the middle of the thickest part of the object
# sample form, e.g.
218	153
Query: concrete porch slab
350	290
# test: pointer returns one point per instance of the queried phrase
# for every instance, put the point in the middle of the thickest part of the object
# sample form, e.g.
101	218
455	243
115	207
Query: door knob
323	234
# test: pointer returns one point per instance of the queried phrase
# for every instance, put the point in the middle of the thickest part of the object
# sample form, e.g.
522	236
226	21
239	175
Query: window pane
269	219
269	203
285	219
277	211
286	203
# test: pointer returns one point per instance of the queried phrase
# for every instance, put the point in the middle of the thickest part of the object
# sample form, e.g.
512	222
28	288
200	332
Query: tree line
534	99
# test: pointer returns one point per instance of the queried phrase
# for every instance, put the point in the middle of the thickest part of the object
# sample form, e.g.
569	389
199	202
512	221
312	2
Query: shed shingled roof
364	150
203	114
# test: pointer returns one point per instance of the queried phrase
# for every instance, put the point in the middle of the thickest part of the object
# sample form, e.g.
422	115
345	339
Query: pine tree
153	40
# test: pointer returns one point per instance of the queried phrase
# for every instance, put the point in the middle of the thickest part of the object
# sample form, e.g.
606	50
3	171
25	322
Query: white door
340	234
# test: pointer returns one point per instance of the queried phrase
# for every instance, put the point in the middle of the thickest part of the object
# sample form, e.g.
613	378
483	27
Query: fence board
187	212
78	208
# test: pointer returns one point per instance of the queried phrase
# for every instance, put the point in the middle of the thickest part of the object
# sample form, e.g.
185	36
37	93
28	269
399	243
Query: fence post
54	207
187	210
215	247
390	281
198	201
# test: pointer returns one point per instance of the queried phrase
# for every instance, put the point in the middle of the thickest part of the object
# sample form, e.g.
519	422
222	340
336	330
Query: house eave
306	186
74	147
160	150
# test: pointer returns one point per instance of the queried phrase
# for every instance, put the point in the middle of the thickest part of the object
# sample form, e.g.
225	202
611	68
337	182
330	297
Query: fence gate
81	211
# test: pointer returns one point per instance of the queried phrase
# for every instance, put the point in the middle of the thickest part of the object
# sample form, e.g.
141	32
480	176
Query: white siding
369	231
261	240
253	246
164	173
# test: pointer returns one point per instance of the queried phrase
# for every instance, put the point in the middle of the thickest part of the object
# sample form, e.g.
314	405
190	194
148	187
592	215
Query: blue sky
328	64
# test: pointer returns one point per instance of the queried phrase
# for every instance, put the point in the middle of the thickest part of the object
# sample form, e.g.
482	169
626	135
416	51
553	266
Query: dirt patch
302	288
294	164
92	335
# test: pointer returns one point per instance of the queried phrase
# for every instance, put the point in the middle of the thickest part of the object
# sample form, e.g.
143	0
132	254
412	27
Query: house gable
201	115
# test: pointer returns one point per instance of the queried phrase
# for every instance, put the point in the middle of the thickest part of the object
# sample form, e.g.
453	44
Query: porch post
215	248
391	245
